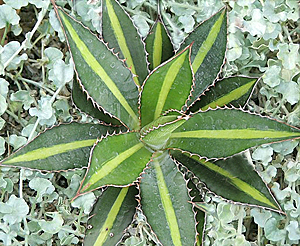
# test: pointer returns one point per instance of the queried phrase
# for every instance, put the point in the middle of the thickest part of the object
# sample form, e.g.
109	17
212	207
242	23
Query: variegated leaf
122	36
85	105
228	91
105	78
200	217
220	133
164	88
208	51
158	44
59	148
224	132
111	215
233	179
165	202
116	160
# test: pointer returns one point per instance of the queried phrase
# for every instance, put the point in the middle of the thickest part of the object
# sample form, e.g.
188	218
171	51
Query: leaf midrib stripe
116	26
234	134
167	83
111	217
233	95
167	205
45	152
98	69
239	184
109	166
157	46
208	43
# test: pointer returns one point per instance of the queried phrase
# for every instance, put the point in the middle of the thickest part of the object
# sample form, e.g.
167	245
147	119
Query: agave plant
158	111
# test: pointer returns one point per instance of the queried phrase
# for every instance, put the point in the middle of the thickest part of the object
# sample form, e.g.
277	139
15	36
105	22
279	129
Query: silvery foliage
262	41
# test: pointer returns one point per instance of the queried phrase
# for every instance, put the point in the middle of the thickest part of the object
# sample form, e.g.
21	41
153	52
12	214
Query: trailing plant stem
28	39
4	35
38	120
26	230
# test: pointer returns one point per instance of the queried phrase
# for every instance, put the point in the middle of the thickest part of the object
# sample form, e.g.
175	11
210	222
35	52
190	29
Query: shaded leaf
85	105
233	179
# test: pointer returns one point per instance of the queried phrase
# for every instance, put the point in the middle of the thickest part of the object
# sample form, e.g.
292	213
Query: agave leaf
224	132
200	219
62	147
116	160
233	90
208	51
101	74
157	137
122	36
164	90
158	44
157	123
165	202
111	215
80	100
233	179
200	215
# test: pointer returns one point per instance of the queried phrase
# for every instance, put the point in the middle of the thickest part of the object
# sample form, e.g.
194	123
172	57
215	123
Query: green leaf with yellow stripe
116	160
101	74
63	147
79	98
228	91
164	88
158	44
224	132
208	51
165	202
122	36
197	195
111	215
233	179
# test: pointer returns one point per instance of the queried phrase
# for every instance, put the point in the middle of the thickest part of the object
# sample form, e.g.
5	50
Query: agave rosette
152	122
